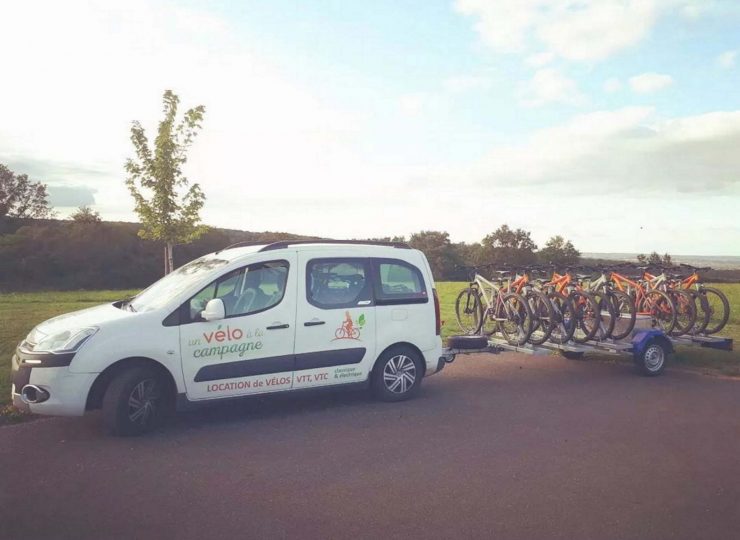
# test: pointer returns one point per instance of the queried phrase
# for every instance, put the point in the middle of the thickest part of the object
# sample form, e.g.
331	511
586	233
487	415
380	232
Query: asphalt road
505	447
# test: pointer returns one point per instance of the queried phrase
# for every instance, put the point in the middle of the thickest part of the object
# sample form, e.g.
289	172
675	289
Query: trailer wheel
572	355
651	361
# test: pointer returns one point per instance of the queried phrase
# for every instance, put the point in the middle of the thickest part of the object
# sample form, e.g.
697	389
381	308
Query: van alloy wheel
143	402
399	374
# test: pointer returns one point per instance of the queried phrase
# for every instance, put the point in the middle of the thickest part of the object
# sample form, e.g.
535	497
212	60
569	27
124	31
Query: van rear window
399	282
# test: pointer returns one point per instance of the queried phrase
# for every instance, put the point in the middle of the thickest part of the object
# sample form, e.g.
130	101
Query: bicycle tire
703	312
517	327
565	318
625	310
471	306
606	327
543	317
660	308
587	316
713	328
685	311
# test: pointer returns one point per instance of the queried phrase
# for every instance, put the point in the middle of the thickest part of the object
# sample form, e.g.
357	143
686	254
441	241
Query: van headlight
67	341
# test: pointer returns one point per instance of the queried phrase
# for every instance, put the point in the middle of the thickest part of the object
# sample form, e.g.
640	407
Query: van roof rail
286	243
245	243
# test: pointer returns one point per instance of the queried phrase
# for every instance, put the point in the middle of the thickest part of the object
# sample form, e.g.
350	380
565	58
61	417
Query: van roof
239	250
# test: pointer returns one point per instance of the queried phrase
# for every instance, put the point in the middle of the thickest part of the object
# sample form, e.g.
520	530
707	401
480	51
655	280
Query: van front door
335	325
251	350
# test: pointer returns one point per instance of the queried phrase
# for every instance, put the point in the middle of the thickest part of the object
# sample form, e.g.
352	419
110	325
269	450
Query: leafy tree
655	259
168	207
667	260
508	246
85	214
440	252
642	258
559	251
20	197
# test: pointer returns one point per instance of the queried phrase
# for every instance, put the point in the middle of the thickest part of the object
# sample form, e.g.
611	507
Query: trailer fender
641	339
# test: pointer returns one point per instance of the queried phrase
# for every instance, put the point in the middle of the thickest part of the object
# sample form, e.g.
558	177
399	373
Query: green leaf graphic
361	320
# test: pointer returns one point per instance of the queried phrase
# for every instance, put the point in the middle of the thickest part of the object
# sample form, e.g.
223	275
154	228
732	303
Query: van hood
94	316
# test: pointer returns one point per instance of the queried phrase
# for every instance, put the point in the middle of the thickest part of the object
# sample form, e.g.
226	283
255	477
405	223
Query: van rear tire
397	374
136	401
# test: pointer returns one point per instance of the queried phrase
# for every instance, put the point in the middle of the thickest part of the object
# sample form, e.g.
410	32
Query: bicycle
651	302
589	321
508	312
625	312
683	300
713	303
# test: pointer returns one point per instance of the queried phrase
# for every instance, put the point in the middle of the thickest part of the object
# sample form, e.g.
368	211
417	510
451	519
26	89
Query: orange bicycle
651	302
713	304
587	309
684	301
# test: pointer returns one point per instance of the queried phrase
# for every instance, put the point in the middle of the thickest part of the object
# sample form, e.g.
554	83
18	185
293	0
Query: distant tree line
86	253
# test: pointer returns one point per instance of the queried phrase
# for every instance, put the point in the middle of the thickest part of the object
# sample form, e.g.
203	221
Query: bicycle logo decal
349	329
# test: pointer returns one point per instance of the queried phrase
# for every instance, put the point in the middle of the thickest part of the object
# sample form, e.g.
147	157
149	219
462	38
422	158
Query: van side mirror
214	310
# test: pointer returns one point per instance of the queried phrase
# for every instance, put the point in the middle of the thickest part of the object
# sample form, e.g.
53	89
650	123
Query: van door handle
313	323
278	326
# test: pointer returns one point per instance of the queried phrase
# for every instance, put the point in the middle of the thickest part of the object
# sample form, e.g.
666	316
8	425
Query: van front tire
136	401
397	374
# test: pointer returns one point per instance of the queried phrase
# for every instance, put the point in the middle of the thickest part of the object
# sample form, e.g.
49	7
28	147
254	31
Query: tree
559	251
508	246
654	259
642	258
85	214
440	252
22	198
667	260
168	207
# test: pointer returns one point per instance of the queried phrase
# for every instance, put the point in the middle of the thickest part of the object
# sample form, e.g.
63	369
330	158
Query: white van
250	319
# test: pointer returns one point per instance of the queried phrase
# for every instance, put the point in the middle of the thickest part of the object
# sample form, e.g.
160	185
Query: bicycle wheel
565	318
587	316
718	307
685	311
468	310
515	318
660	307
625	312
607	316
703	313
489	324
543	317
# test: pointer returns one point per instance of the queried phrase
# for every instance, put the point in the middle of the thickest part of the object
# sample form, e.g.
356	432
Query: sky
615	123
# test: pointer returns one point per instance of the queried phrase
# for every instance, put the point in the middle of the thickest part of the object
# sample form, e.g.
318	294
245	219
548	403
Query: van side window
337	282
244	291
398	282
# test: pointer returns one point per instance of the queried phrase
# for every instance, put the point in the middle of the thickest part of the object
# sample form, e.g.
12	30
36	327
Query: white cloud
540	59
648	83
612	85
587	30
549	85
727	59
622	150
464	83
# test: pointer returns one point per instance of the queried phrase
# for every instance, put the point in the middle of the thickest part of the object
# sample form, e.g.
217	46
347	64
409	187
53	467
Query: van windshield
173	284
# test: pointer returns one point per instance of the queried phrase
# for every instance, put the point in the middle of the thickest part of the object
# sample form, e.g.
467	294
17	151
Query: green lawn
20	312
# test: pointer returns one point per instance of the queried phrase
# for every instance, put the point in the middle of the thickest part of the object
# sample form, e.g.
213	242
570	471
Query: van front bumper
67	391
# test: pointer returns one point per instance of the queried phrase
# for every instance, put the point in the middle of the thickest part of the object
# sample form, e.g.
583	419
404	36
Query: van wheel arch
103	380
406	345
